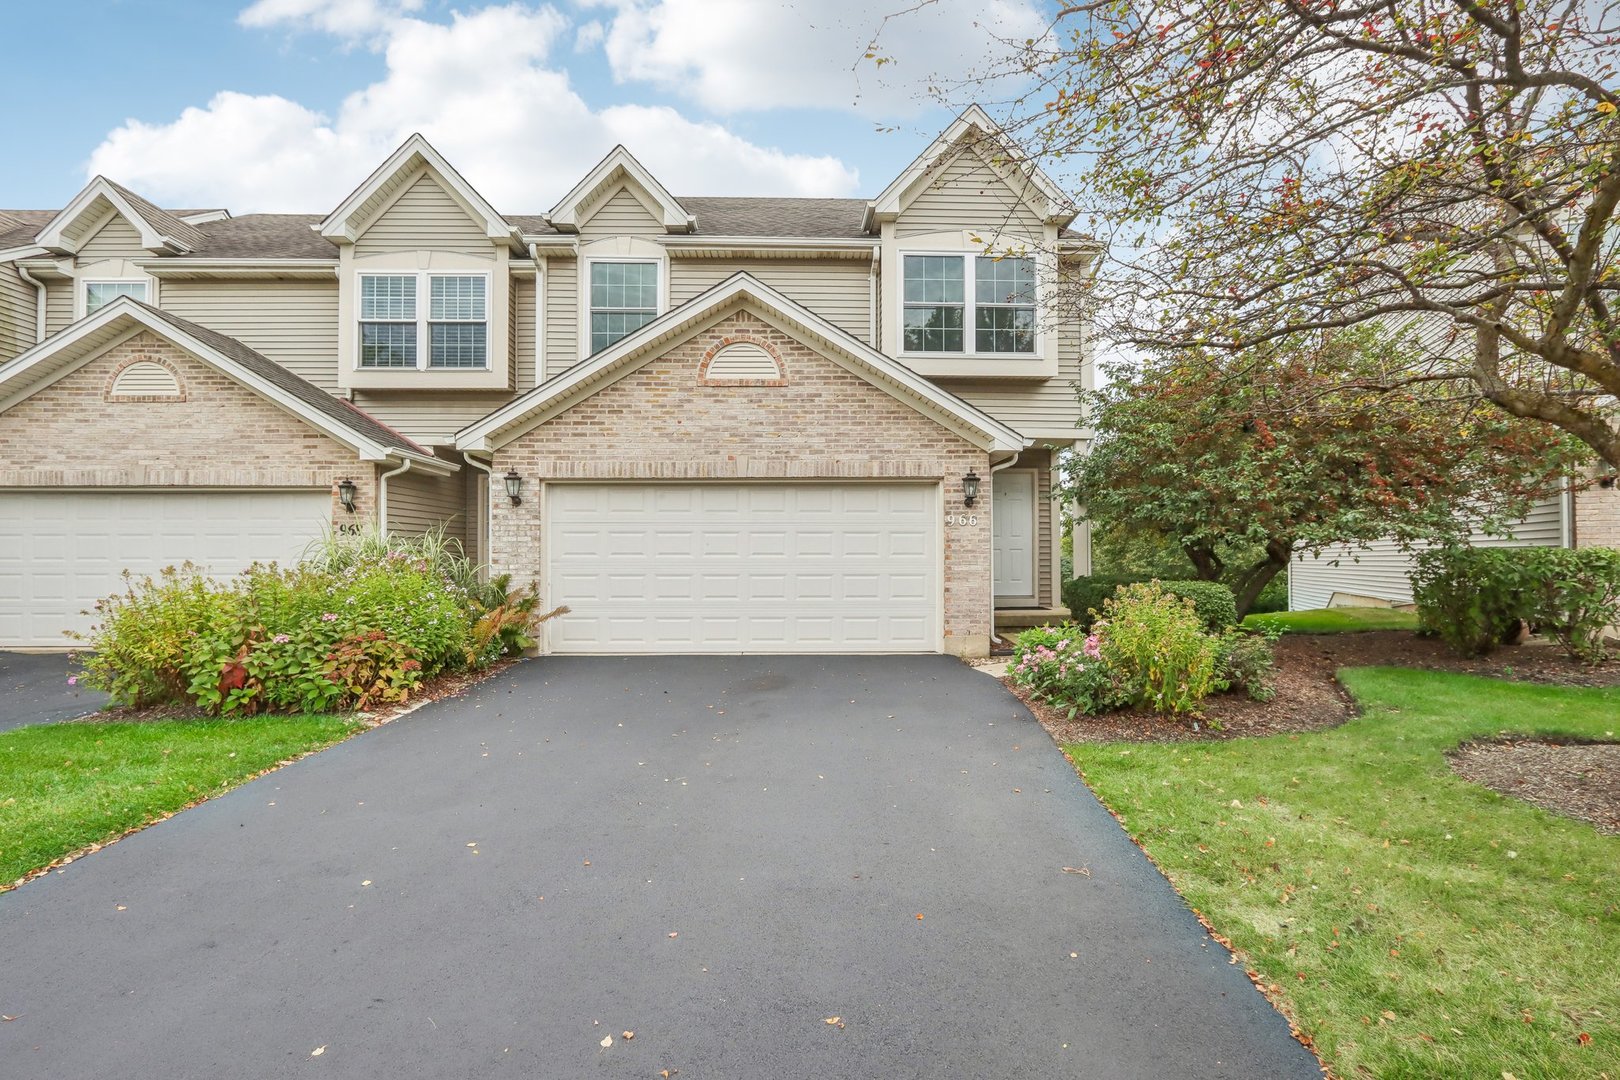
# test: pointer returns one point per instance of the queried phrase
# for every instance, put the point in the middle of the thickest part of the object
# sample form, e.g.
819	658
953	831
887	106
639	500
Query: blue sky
287	104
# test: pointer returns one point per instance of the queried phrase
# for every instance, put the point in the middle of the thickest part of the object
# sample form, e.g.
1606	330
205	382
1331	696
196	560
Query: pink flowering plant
1063	666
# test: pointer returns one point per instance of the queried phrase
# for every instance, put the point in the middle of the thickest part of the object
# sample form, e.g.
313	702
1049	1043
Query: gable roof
974	126
58	355
640	347
619	165
342	225
160	231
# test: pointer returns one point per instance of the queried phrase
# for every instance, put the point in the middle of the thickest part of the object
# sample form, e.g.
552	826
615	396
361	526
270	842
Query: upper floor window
624	298
98	294
938	309
450	331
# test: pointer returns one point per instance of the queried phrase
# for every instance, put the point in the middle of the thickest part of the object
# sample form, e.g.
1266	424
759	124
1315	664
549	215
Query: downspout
487	525
382	495
994	468
39	302
872	291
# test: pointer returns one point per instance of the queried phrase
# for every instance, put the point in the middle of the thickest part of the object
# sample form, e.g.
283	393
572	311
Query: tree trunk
1253	581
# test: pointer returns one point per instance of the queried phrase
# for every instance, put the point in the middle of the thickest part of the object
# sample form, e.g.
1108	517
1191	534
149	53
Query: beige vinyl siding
620	215
562	315
419	501
115	240
475	493
294	323
1049	407
428	417
1379	570
18	308
967	194
58	305
839	290
523	330
425	216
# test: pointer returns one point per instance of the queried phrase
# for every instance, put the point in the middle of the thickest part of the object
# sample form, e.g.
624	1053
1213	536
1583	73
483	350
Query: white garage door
729	568
61	551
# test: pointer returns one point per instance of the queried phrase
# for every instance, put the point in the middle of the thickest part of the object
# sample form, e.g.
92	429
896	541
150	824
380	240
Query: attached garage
60	551
740	567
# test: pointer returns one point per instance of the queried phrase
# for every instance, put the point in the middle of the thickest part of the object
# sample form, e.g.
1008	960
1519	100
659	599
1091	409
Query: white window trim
584	286
424	303
81	292
969	350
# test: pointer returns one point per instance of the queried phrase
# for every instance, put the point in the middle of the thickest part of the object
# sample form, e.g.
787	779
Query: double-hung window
98	294
624	298
449	332
940	312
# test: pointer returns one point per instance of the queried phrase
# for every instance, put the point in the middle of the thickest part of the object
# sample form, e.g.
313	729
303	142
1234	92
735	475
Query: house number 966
961	519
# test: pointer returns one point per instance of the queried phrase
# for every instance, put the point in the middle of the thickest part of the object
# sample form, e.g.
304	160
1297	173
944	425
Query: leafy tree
1266	456
1266	168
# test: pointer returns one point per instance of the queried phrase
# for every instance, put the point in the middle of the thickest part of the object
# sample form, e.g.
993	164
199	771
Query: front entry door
1012	556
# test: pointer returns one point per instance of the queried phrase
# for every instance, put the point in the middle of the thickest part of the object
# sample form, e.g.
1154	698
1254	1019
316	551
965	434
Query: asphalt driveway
718	854
34	689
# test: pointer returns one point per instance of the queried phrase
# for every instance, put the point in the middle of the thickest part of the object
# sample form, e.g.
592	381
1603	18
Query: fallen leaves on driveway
1083	871
318	1051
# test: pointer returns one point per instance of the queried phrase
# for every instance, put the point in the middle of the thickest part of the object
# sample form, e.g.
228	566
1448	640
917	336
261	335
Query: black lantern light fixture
346	491
514	487
970	488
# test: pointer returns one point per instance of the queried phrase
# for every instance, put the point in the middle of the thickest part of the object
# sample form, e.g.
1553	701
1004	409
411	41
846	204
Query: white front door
744	567
61	551
1012	556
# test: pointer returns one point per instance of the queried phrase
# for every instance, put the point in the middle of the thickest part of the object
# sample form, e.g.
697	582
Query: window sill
493	378
981	365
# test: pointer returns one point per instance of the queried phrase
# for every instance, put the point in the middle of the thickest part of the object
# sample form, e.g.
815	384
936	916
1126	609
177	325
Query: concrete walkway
718	854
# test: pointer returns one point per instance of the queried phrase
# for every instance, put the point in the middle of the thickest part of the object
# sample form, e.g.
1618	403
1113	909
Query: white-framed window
941	314
450	332
98	294
623	299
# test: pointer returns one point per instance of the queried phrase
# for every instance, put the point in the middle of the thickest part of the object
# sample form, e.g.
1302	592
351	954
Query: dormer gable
159	231
404	168
973	132
617	172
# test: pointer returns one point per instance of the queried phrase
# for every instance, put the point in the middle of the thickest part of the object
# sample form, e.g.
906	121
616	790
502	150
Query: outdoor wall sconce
1606	481
514	488
970	488
346	491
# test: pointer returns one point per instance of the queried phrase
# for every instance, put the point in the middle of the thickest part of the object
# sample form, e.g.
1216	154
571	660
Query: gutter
486	526
39	302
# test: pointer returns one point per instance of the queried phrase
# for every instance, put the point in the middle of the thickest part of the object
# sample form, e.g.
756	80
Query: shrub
1214	602
1475	598
1274	597
143	634
1247	660
1156	648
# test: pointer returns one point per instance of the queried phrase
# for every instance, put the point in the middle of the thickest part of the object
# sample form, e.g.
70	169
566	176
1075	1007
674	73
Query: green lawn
1415	924
1339	620
67	786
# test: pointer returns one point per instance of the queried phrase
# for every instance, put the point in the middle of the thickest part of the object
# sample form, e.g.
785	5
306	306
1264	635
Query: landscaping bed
1576	779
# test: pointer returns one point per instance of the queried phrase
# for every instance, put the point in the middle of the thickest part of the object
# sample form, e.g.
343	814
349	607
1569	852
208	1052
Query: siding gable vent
740	361
145	380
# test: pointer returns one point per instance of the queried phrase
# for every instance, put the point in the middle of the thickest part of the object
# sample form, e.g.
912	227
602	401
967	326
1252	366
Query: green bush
1214	602
357	623
1274	597
1475	598
1063	666
1247	660
1157	649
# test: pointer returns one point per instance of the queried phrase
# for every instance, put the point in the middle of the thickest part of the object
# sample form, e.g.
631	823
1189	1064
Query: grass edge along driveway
68	786
1410	922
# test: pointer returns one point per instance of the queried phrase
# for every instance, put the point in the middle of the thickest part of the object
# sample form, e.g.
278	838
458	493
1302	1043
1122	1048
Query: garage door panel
744	567
61	551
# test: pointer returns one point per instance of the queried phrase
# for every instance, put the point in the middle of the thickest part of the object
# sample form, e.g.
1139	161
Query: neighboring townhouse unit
705	424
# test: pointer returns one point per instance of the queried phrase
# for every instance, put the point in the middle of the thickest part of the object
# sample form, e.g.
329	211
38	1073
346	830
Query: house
705	424
1587	514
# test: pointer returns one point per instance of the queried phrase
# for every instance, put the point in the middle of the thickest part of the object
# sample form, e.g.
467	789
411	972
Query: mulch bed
1576	779
1309	695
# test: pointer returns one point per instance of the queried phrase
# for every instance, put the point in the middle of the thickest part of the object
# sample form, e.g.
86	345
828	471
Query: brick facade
221	435
1597	517
661	423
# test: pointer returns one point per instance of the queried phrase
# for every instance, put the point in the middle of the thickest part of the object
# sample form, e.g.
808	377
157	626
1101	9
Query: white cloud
737	55
348	18
479	87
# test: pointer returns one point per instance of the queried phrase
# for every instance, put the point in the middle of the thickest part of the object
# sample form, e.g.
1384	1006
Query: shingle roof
345	414
264	236
160	219
19	227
